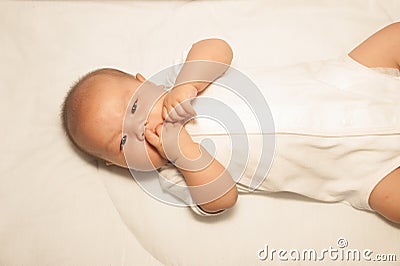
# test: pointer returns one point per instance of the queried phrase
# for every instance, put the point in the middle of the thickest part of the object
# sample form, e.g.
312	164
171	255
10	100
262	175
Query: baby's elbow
232	197
228	52
226	47
225	202
229	199
218	50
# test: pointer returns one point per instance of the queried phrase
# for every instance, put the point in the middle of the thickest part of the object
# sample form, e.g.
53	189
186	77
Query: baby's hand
171	140
177	103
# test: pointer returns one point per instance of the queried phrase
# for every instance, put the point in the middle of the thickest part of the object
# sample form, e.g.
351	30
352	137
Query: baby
94	119
93	116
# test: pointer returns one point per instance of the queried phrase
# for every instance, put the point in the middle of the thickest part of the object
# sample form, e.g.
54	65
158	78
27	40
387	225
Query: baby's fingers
158	130
152	138
164	112
187	106
176	114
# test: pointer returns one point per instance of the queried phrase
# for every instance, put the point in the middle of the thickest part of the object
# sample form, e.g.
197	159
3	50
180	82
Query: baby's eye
123	140
134	107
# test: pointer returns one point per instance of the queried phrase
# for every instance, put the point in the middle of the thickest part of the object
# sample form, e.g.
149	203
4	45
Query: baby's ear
108	163
140	77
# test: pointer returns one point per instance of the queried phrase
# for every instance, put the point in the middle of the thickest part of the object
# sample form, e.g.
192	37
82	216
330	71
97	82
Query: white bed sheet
59	207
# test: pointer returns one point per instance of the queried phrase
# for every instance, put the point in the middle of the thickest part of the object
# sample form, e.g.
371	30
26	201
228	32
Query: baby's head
93	115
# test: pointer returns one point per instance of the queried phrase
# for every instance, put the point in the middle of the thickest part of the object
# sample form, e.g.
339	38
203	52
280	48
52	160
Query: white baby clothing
336	129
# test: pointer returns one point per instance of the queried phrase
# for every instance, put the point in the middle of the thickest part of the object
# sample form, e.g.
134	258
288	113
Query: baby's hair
67	110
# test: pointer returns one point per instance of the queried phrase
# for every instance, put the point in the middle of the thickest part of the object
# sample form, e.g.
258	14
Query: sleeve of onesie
172	181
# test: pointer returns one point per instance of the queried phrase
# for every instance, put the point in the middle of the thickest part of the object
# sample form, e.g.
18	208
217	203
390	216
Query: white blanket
59	207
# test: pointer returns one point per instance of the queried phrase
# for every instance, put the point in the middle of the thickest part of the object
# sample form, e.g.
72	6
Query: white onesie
337	131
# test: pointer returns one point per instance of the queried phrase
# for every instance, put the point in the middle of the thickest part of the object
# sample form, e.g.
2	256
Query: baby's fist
171	140
177	103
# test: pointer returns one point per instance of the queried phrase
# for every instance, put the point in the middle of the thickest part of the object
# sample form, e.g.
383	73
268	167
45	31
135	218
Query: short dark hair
67	111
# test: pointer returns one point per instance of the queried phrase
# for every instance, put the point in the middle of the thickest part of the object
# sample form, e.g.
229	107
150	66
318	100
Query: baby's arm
382	49
210	185
200	74
206	61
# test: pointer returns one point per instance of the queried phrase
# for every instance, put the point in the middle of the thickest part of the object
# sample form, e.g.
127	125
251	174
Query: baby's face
113	120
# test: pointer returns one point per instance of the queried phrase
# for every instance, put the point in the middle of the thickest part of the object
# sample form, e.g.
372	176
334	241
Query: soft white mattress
58	207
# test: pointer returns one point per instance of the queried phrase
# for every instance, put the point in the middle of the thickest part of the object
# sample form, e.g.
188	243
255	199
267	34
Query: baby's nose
140	131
